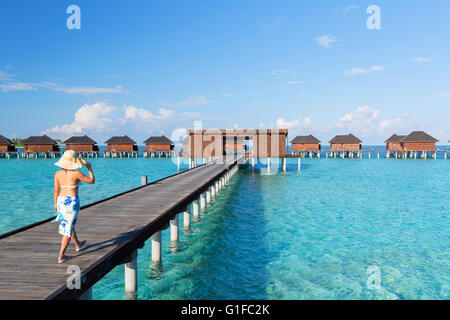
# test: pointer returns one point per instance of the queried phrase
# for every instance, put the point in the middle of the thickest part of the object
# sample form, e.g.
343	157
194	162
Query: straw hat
69	162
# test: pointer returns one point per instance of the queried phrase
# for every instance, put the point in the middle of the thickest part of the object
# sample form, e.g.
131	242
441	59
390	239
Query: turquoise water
307	235
26	186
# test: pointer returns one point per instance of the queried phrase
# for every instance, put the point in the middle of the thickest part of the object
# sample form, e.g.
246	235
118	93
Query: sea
336	229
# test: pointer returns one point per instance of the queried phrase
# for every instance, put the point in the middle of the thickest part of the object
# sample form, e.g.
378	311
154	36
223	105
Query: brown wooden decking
113	228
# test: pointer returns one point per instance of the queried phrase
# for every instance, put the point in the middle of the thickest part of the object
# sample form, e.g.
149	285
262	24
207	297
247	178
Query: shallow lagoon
307	235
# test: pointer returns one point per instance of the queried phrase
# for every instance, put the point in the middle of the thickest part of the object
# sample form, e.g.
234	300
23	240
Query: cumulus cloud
359	71
88	117
326	41
290	83
361	118
143	115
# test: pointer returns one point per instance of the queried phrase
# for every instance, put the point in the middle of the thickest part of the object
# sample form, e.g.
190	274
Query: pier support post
174	231
284	164
131	275
299	164
156	247
208	196
195	210
203	201
268	164
187	220
213	191
253	162
144	180
178	163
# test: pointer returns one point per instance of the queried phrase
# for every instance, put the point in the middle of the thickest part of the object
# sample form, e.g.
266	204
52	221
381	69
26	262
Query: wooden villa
394	143
121	144
6	145
306	143
267	143
38	144
185	146
345	143
81	144
158	144
418	141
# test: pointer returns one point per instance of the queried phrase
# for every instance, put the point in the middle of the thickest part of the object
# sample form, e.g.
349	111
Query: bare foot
82	246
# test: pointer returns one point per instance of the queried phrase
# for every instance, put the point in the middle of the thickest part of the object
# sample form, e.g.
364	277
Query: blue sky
149	67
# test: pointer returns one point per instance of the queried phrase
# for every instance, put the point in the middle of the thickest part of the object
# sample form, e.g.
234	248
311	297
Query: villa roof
80	140
395	138
158	140
120	140
348	138
39	140
419	136
5	141
305	140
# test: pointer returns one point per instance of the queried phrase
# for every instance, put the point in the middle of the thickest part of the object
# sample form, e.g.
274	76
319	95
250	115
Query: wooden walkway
113	227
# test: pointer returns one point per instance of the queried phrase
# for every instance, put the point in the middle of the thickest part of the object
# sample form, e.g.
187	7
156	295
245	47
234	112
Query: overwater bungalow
418	141
158	144
185	145
40	144
345	143
234	144
394	143
81	144
306	143
121	144
267	143
6	145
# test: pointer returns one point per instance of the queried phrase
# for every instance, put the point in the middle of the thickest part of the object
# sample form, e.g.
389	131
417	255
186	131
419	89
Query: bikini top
73	187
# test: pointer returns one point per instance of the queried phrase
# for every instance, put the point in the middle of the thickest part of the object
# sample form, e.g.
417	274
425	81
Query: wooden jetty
114	228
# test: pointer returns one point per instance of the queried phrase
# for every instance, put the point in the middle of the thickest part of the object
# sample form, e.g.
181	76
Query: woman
67	203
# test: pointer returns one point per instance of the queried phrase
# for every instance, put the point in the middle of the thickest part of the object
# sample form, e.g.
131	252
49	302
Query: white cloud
422	59
326	41
87	90
290	83
280	72
89	117
284	124
273	24
358	71
4	76
347	9
143	115
226	94
192	102
362	117
17	86
443	95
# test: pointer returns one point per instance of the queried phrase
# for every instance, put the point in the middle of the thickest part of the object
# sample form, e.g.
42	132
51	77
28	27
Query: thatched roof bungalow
345	143
394	143
40	144
81	144
121	144
6	145
419	141
158	144
306	143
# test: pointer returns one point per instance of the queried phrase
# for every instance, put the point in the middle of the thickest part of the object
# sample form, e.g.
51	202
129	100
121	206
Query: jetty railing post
156	247
174	231
131	275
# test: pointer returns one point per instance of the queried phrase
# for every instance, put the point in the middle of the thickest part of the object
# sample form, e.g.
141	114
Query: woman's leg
64	243
75	239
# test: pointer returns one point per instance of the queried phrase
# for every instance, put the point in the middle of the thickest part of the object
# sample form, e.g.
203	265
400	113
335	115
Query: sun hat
69	161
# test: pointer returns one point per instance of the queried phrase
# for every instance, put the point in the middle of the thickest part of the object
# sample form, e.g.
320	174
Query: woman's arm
83	178
56	193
